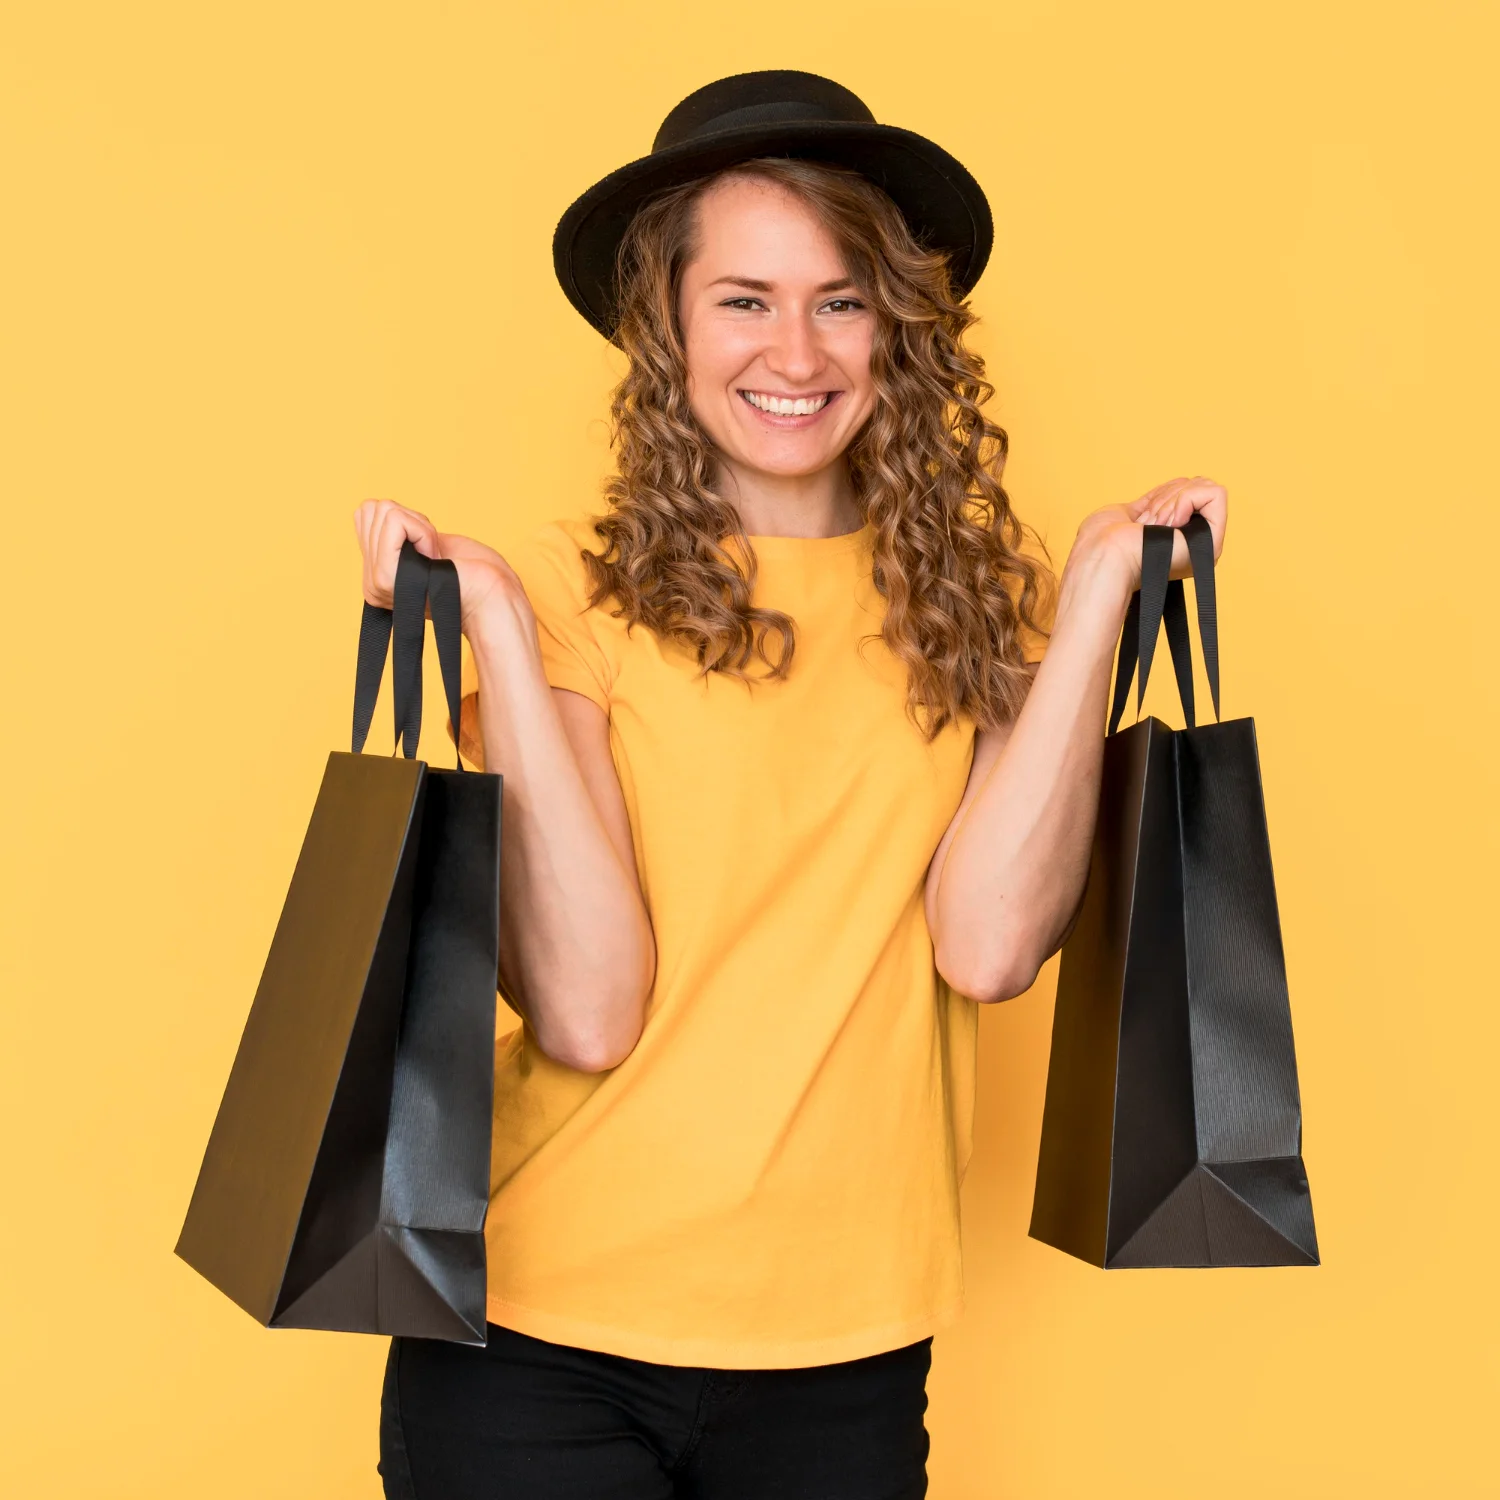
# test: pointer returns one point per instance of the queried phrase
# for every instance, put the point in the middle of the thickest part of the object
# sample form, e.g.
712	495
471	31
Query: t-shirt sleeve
550	567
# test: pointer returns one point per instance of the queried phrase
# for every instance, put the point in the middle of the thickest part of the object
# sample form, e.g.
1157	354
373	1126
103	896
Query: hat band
788	112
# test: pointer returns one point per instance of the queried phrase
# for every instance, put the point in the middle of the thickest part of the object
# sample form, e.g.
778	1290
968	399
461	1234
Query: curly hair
926	469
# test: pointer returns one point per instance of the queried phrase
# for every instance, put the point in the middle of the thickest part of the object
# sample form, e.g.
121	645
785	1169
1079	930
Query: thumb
426	544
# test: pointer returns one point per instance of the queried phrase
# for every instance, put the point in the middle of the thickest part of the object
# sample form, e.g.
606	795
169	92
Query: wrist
501	627
1095	589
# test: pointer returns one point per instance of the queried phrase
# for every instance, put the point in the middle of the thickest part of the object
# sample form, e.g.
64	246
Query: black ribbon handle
421	583
1160	599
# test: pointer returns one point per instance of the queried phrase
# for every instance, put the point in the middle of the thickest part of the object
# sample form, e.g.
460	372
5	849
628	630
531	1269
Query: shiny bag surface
346	1179
1172	1129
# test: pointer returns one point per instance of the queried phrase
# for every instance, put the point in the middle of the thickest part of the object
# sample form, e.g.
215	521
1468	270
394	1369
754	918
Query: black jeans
524	1419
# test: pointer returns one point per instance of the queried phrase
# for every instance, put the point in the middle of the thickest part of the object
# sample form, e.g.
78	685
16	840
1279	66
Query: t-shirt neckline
845	541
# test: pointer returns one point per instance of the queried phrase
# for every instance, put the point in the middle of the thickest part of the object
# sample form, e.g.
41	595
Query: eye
744	304
845	304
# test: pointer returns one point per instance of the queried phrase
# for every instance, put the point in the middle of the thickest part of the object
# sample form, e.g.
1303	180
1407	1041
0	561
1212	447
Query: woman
786	793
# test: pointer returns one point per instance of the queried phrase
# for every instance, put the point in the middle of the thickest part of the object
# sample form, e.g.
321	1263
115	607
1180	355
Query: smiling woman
779	366
778	282
789	787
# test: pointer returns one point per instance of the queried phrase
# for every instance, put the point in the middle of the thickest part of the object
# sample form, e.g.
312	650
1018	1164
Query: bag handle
421	582
1161	599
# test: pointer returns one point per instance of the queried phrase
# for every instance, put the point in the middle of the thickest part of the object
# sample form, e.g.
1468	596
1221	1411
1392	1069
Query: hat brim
938	196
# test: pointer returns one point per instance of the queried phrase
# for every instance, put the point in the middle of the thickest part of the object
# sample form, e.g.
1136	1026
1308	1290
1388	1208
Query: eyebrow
752	285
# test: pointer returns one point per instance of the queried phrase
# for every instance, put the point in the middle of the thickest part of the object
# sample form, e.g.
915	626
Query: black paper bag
1172	1130
346	1180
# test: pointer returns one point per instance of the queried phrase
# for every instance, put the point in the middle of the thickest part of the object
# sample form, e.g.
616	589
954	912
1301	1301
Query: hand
485	579
1115	532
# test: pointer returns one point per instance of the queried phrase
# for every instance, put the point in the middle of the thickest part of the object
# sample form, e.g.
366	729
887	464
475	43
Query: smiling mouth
788	406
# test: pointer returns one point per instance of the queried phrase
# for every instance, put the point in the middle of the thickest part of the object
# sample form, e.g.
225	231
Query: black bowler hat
778	112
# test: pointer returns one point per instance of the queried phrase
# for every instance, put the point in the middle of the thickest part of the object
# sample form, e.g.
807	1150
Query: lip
790	423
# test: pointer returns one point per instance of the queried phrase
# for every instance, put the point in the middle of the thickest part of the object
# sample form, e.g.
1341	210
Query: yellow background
261	262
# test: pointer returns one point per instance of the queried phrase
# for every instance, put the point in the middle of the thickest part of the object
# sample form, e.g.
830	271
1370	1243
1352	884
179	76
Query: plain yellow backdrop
261	262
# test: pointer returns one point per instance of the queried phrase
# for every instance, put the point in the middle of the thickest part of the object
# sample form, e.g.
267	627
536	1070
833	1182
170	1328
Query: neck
800	505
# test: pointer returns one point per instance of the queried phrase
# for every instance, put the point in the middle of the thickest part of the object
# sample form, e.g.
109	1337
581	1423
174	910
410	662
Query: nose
794	354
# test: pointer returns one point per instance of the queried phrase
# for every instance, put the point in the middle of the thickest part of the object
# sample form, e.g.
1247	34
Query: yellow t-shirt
771	1178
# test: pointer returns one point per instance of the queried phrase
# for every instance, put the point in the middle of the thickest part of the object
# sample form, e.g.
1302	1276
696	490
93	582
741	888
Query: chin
789	460
791	471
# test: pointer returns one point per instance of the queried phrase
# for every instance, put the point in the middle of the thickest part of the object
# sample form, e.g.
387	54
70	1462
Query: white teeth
786	406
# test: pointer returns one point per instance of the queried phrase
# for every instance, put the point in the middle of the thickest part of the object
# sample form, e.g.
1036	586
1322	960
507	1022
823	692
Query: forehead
747	226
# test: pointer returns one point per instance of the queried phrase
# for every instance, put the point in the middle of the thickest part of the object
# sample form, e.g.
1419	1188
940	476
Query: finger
421	531
1145	508
368	518
1174	506
1209	493
1210	498
369	540
1186	496
1162	507
397	526
1215	510
362	514
1211	501
389	533
364	521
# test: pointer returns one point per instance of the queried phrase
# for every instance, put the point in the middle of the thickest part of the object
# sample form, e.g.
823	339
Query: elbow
594	1045
1001	974
599	1031
591	1054
1007	984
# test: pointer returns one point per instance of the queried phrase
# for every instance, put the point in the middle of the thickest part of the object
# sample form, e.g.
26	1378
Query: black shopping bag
1172	1130
346	1180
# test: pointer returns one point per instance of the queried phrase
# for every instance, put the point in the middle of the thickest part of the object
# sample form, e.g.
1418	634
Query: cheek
715	357
853	352
855	363
705	394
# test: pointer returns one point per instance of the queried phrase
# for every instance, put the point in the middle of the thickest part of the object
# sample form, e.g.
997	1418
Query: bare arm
1005	884
577	955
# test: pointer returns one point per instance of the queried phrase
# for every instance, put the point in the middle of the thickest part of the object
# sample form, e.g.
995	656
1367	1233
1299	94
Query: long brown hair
926	469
